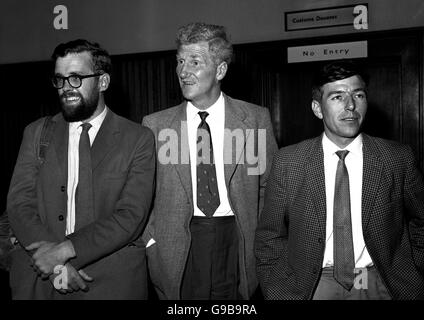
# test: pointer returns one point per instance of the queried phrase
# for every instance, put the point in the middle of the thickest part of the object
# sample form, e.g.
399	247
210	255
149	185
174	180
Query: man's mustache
70	94
353	114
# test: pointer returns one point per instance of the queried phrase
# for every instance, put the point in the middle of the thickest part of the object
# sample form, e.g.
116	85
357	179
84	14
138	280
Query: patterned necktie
207	187
84	192
344	259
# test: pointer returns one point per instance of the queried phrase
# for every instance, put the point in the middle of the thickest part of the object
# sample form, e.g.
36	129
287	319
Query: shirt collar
95	123
214	110
330	148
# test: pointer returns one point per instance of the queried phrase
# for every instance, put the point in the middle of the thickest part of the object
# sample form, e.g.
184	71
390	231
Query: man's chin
70	112
75	115
188	93
69	117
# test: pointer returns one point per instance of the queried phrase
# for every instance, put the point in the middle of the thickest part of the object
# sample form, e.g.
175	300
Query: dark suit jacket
123	161
173	204
290	239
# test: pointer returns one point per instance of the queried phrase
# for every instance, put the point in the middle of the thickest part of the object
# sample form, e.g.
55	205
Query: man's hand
50	254
68	279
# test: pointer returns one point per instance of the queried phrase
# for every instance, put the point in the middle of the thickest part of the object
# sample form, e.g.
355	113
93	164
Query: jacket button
62	188
314	270
319	240
61	218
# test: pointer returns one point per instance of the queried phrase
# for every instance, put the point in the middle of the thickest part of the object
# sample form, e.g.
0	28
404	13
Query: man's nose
350	103
183	71
66	85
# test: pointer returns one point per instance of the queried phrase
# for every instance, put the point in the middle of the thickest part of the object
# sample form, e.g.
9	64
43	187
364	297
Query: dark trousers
211	271
368	286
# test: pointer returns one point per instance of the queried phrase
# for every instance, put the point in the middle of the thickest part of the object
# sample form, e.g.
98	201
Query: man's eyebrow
343	91
359	89
195	55
192	56
336	92
73	73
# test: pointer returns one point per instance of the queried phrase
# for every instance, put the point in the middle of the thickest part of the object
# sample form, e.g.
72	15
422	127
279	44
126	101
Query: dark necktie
84	192
344	259
207	187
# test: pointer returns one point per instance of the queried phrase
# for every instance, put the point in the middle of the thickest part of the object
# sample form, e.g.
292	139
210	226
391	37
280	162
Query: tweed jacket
109	246
290	239
173	205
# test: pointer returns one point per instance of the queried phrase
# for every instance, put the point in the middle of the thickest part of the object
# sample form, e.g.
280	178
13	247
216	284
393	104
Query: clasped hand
48	255
69	279
51	255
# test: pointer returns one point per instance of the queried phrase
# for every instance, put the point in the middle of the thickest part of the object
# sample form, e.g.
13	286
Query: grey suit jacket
123	163
290	239
173	204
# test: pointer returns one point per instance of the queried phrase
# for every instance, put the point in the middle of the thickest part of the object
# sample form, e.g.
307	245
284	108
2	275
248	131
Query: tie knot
203	115
342	154
86	126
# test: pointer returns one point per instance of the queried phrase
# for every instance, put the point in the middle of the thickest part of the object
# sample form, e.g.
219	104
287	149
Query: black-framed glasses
75	80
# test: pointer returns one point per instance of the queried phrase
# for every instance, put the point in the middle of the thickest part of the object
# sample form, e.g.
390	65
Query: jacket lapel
370	178
105	139
179	125
316	181
235	119
60	142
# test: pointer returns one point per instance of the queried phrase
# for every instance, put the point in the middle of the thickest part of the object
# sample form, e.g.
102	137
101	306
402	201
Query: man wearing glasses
78	215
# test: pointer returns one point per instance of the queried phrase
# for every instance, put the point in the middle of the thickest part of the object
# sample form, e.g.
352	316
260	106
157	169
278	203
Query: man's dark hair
100	57
334	71
219	46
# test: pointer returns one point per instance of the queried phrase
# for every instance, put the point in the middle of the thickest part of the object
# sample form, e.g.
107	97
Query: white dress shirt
354	163
75	130
216	122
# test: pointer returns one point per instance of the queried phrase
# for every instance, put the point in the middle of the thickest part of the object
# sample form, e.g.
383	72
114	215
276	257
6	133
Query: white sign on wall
356	15
331	51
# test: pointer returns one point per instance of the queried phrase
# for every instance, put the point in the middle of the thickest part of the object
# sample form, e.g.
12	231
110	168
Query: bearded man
78	216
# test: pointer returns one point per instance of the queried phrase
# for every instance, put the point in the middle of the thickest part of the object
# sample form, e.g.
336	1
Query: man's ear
316	108
221	70
104	81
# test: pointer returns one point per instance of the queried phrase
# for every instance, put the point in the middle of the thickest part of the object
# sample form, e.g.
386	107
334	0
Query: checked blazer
290	238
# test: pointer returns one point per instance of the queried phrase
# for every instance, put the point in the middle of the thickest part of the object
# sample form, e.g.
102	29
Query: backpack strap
7	240
45	137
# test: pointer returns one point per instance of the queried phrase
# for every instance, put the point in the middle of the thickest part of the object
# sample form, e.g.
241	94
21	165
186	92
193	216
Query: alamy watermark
61	20
361	17
361	278
61	280
240	147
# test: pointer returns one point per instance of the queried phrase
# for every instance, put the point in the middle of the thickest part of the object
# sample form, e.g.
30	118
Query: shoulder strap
45	137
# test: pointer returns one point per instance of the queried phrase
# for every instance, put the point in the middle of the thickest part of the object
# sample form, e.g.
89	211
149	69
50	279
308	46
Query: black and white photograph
212	158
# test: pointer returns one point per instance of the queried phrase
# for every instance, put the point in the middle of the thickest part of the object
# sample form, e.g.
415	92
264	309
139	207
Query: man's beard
80	111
